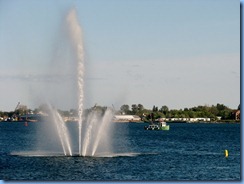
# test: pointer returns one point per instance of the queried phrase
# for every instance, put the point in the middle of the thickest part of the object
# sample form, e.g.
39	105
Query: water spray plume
76	39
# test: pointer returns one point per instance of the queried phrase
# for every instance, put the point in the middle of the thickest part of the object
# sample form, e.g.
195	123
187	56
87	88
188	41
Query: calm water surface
185	152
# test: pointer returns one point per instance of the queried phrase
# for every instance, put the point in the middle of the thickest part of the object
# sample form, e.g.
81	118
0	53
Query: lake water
185	152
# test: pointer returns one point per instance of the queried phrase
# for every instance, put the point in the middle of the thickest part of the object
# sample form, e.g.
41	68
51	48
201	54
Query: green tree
191	114
159	115
125	108
164	109
155	109
225	114
140	107
221	107
213	110
134	108
186	109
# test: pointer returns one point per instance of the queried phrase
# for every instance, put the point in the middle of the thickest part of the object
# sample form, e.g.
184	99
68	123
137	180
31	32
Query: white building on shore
126	118
188	119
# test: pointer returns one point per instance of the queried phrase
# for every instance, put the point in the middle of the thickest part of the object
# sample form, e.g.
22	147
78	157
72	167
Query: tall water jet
77	43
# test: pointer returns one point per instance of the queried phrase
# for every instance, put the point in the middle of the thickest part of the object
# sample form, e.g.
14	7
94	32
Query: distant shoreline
171	122
206	122
188	122
218	122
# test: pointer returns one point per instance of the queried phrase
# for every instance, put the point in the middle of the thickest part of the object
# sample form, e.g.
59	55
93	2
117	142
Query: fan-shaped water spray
62	131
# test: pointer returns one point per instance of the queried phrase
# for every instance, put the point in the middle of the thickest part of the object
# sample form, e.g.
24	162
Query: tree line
213	112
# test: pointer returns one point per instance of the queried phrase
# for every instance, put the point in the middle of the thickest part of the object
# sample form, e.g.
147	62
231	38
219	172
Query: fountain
93	133
96	126
93	130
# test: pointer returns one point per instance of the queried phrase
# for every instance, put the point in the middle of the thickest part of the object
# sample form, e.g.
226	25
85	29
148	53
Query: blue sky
179	53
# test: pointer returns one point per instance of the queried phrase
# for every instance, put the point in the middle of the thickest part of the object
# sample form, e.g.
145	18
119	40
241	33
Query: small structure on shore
126	118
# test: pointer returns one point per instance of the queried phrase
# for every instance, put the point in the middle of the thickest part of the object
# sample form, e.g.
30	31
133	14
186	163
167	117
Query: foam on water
129	154
60	154
38	154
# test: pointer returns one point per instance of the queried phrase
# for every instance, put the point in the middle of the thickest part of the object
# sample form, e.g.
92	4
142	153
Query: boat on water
159	126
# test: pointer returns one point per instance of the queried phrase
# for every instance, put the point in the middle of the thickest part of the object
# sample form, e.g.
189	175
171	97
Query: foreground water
186	152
